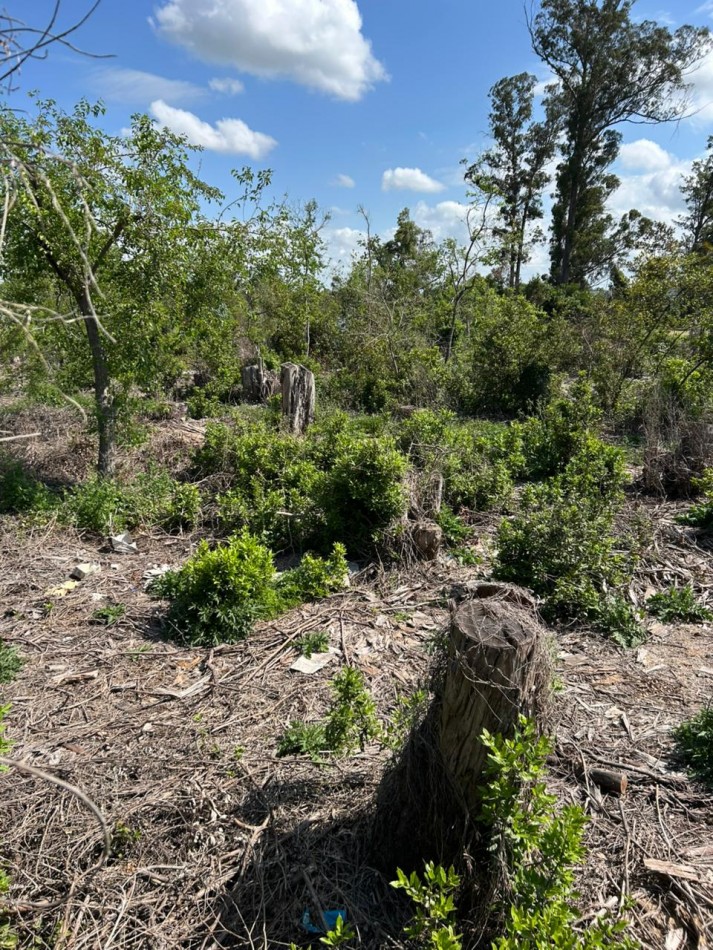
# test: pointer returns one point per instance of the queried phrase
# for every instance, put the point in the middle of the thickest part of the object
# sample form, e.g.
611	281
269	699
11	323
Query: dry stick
14	438
85	800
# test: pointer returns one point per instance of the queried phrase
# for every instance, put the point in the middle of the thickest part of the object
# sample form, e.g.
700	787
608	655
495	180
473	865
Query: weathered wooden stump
495	673
496	668
298	397
259	383
427	538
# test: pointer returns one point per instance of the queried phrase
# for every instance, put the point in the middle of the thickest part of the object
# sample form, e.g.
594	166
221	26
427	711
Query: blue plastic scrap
330	919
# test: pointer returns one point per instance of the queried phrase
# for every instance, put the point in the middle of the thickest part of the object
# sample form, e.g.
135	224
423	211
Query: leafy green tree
108	220
608	69
697	191
513	170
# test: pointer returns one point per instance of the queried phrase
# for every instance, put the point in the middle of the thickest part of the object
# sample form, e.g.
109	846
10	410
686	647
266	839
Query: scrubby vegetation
694	742
474	420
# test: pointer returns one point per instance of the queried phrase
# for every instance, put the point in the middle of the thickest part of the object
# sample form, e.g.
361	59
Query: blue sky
351	102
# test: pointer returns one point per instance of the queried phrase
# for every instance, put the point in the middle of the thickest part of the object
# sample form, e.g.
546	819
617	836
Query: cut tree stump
298	397
259	383
496	665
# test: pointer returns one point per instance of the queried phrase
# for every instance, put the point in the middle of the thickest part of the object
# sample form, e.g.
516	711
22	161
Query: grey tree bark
298	397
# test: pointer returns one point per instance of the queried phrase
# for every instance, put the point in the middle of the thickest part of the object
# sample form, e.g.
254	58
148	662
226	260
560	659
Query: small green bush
109	615
558	433
22	493
303	738
617	618
104	506
314	578
538	847
562	543
700	515
271	483
350	722
694	743
315	642
10	663
219	593
455	530
364	490
678	604
433	924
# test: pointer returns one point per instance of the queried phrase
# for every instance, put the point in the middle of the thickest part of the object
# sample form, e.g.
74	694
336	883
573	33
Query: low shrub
109	615
678	604
537	846
303	738
434	922
314	578
700	515
219	593
694	744
271	483
617	618
105	506
21	492
550	439
10	663
363	492
316	641
562	543
350	721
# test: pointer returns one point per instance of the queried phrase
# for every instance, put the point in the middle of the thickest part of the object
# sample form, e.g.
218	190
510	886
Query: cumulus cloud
318	43
409	179
343	181
342	244
134	86
701	99
644	155
227	85
446	219
230	136
653	185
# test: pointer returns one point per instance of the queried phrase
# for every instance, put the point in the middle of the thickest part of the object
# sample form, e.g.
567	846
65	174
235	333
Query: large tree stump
495	670
259	383
497	667
297	397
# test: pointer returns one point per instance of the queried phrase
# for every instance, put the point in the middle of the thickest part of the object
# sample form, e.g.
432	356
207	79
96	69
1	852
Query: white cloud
654	188
230	136
701	99
447	219
342	245
409	179
317	43
135	86
230	87
644	155
343	181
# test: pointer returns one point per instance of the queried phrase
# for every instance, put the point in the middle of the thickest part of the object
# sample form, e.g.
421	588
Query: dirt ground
217	842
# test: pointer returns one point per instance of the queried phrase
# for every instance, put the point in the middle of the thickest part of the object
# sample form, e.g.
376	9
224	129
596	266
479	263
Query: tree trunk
495	673
298	397
103	398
